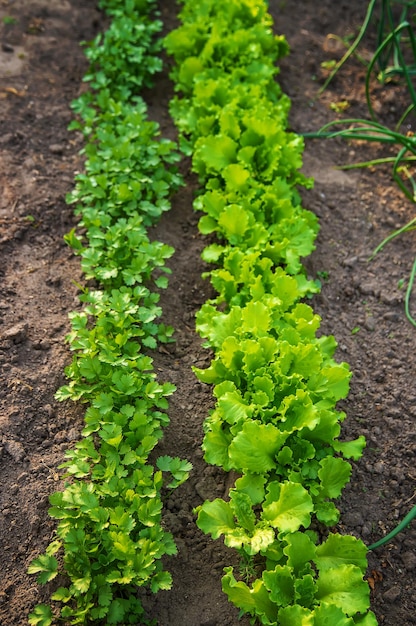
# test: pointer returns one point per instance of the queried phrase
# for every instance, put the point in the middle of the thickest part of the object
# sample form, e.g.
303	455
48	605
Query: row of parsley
276	383
110	539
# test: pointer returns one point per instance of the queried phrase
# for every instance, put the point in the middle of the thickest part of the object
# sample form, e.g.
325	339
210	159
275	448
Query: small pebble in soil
366	530
379	467
352	518
48	409
60	437
16	333
16	450
391	316
380	376
391	298
350	261
392	594
41	345
56	148
73	435
369	288
409	560
395	363
370	323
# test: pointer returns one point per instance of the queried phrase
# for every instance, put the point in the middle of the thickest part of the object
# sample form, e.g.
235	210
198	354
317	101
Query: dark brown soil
41	69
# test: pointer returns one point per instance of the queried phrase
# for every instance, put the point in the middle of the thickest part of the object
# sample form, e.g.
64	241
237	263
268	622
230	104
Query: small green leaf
213	154
236	176
8	19
104	402
295	616
341	550
287	506
299	550
116	612
254	600
47	565
53	547
179	469
75	242
161	581
207	225
256	318
215	518
234	221
233	408
162	282
334	474
82	584
41	616
281	585
344	586
305	590
253	486
326	512
329	615
215	445
350	449
212	253
255	447
62	594
243	509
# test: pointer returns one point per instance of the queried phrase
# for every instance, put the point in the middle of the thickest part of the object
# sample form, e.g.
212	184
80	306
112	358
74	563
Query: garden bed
361	304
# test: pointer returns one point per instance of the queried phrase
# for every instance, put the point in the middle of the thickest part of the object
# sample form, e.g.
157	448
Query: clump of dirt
361	303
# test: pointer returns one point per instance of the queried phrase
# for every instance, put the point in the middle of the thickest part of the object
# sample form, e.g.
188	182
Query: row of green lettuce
275	379
110	538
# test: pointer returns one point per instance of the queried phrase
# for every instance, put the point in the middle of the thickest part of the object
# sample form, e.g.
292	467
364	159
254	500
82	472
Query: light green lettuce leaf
295	615
341	550
255	447
350	449
299	550
281	584
213	153
253	486
215	445
334	474
242	507
254	600
344	586
215	518
287	506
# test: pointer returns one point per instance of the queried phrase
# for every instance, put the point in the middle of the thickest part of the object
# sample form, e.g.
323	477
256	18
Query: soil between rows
41	69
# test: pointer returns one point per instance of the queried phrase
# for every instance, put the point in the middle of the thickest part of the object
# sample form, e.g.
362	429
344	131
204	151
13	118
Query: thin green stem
399	169
353	47
372	163
401	121
409	226
408	295
409	517
392	37
383	135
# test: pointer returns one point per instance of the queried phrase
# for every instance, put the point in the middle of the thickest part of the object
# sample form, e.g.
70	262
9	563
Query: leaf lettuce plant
275	379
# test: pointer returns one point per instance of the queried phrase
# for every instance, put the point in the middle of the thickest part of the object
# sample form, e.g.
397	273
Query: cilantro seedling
9	20
111	535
